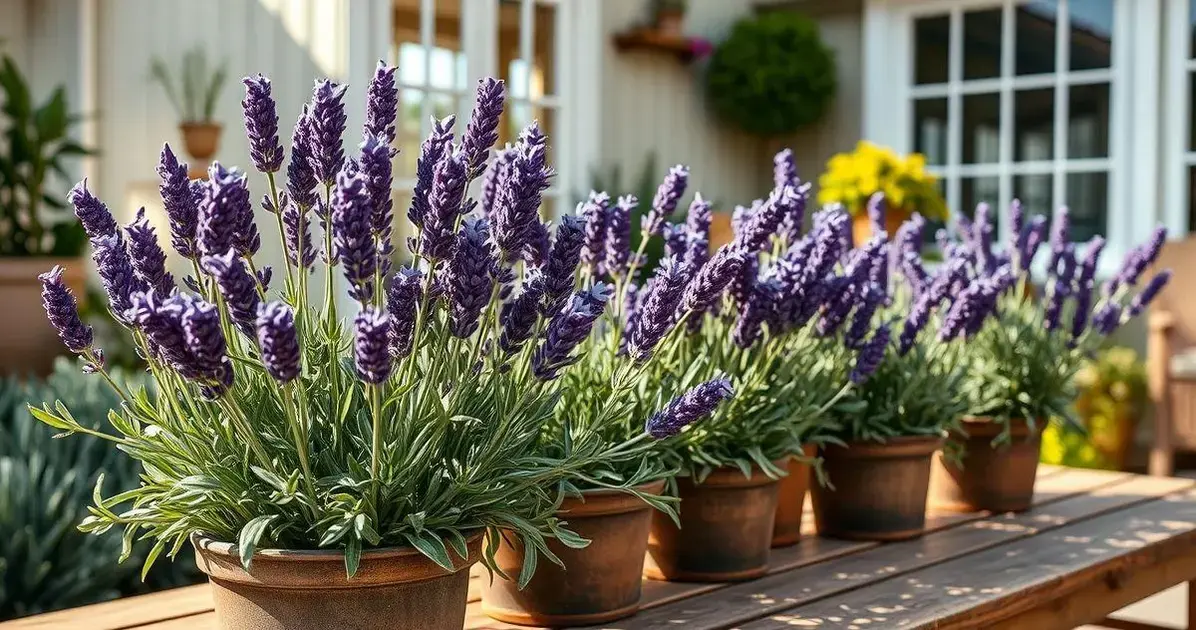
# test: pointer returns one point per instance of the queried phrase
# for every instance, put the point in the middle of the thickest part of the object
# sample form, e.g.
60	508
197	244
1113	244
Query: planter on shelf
307	590
726	529
791	499
28	343
599	584
202	140
993	478
878	489
861	225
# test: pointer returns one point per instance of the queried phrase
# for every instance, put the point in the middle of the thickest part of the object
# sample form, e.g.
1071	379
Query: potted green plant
194	98
35	229
878	465
1022	364
332	478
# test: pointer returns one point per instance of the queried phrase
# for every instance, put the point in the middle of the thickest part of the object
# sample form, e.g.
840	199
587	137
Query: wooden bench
1094	543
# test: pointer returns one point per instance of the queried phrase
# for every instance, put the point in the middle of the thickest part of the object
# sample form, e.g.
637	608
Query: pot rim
199	124
900	446
981	426
604	501
732	476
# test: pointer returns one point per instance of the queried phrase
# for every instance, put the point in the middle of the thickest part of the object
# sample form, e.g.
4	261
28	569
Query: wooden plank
1058	579
123	613
741	603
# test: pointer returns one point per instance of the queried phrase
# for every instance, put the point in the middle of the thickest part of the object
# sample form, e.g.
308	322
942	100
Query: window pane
1192	28
1091	33
982	44
1192	199
408	131
981	128
931	46
1034	191
1034	125
1088	121
976	190
1088	201
1036	25
543	78
930	129
1192	112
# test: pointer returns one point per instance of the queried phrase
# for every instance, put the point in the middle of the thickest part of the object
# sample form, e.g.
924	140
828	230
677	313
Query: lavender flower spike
568	329
296	233
180	204
871	355
116	273
352	235
594	213
563	258
690	406
93	214
482	131
784	169
376	167
278	340
470	283
699	217
147	257
519	315
327	120
223	211
666	199
402	302
237	286
261	124
206	344
658	313
709	282
301	174
381	104
432	151
444	206
618	235
63	312
1148	294
370	335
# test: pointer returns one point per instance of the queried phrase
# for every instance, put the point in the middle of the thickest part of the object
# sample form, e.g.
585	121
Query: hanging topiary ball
772	75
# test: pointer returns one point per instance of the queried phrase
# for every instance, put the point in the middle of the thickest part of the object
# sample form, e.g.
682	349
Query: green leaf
251	534
530	557
432	547
50	119
352	556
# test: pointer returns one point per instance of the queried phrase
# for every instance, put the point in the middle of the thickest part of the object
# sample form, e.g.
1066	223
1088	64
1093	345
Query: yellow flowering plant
851	178
1112	392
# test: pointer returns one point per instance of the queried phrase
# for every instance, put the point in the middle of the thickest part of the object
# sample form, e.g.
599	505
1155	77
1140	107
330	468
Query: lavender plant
1022	361
420	423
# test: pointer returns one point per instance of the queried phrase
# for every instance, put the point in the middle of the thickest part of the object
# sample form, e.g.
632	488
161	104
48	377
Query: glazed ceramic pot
791	498
28	343
725	533
988	478
307	590
599	583
879	489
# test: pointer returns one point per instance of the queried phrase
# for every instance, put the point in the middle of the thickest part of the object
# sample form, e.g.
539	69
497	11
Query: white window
1179	50
1008	99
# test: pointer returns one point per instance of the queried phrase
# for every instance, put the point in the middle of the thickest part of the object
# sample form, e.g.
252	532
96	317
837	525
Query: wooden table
1095	542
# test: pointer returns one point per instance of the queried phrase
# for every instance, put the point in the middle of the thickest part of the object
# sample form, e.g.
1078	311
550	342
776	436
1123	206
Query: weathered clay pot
600	583
861	225
879	489
791	497
995	479
28	344
726	529
307	590
202	140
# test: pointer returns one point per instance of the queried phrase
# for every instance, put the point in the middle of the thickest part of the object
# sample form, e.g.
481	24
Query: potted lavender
1022	363
332	476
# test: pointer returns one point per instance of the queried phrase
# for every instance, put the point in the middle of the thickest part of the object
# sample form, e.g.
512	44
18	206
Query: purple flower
562	263
535	250
1107	318
238	288
432	152
296	233
658	313
519	315
759	307
1061	286
327	122
352	235
93	214
709	282
402	300
63	312
784	169
871	299
147	257
982	236
1079	317
1035	232
699	217
493	179
1140	258
301	174
469	277
222	210
594	213
516	212
376	168
1148	294
1017	232
915	322
741	217
482	131
676	240
765	221
444	206
740	286
371	330
566	330
870	355
381	104
877	208
206	345
261	124
689	407
1059	238
264	275
1087	274
278	340
618	235
178	201
666	199
116	273
161	321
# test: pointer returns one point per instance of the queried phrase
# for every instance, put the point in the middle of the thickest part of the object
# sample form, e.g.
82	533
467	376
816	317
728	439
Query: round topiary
772	75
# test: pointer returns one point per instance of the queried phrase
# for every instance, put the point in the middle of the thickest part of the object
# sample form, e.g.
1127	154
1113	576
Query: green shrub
772	75
45	487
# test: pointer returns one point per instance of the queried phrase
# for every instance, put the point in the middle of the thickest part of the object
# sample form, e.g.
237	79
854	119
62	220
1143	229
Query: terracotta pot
997	479
600	583
202	140
307	590
726	529
670	21
861	225
879	489
28	344
786	529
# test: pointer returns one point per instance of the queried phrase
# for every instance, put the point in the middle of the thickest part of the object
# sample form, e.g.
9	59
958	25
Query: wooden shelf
651	40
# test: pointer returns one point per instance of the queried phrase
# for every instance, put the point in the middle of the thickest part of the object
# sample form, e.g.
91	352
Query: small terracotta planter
307	590
995	479
879	489
861	225
28	343
726	529
600	583
202	140
669	22
791	499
